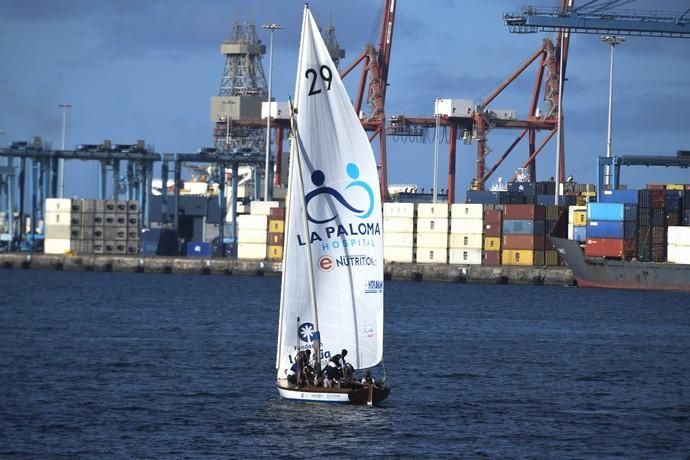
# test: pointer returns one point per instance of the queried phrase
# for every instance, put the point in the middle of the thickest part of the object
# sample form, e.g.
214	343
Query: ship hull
598	272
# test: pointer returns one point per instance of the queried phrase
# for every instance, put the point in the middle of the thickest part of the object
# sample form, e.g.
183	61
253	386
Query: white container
432	240
398	209
467	211
405	240
461	108
398	225
467	226
251	251
58	204
436	225
252	222
432	255
466	240
678	254
280	110
58	231
404	255
432	210
58	218
250	235
679	235
262	208
57	246
467	256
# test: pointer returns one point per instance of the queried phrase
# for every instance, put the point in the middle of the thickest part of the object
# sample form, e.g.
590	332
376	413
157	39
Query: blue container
524	187
580	233
605	229
523	227
198	249
480	196
619	196
605	211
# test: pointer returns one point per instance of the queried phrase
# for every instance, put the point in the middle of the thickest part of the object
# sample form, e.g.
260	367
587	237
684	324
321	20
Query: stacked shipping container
432	233
466	234
524	236
398	232
276	233
493	233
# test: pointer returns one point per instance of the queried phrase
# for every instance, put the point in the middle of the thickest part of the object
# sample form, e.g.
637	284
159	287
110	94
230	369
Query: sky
147	70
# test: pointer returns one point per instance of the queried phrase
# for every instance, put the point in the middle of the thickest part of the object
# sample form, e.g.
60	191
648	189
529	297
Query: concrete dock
551	275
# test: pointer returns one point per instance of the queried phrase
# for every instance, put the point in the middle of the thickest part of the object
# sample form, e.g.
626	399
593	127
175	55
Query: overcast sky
147	70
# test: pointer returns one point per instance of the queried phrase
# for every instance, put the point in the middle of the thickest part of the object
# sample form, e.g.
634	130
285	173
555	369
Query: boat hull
358	395
598	272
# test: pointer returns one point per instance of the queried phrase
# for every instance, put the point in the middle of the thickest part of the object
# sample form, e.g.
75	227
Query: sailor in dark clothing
294	375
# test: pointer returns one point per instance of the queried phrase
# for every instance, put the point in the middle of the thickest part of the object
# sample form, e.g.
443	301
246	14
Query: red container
524	212
276	213
276	239
605	247
493	217
492	258
493	230
533	242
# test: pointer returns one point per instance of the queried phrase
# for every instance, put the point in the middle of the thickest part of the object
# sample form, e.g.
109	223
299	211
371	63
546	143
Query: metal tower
242	90
334	49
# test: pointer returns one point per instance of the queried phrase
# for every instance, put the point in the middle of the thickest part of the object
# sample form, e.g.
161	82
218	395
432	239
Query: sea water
120	365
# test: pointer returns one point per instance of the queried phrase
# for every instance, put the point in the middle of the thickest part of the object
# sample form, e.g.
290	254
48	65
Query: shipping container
551	258
432	240
493	217
678	235
276	226
252	236
396	209
522	257
427	224
465	256
277	213
523	227
514	241
494	230
252	222
432	255
58	205
398	225
464	240
398	239
605	229
403	255
57	246
466	226
467	211
492	243
491	258
432	210
251	251
605	211
619	196
608	247
275	252
524	212
276	239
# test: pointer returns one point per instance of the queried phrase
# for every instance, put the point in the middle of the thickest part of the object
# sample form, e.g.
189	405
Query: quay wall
546	275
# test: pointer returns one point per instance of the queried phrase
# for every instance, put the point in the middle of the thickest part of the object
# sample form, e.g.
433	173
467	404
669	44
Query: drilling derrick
242	90
334	49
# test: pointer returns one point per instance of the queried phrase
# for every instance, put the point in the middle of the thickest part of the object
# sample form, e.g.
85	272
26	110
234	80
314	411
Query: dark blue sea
132	366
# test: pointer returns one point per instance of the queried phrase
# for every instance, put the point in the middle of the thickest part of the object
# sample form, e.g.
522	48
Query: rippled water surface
115	365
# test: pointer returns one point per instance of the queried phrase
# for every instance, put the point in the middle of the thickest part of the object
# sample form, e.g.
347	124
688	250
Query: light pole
61	167
270	27
612	40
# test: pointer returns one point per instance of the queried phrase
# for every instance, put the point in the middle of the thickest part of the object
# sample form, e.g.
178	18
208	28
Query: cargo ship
601	272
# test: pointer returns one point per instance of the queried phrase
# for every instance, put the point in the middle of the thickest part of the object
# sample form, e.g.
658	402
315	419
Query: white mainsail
333	227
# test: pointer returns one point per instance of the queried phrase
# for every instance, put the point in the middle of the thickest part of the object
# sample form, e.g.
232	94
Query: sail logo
318	178
373	287
355	261
368	331
307	332
326	264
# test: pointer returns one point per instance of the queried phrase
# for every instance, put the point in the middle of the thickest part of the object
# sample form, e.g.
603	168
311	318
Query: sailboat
332	276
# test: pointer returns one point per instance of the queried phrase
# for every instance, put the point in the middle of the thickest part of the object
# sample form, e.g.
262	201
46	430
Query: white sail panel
343	213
